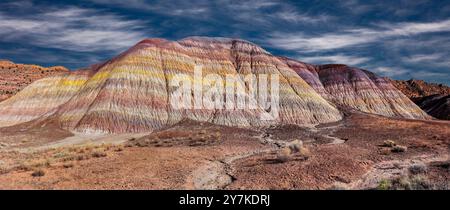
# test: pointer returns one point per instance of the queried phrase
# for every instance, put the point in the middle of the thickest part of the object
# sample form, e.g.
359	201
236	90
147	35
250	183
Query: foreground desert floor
349	154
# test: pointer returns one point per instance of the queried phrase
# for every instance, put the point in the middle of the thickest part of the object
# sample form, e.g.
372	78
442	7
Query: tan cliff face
130	93
15	77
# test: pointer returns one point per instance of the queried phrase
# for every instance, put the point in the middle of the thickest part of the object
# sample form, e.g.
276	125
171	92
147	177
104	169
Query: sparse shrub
81	157
420	182
399	148
389	143
414	182
37	163
38	173
24	167
69	158
284	155
384	185
98	154
402	183
60	155
68	165
119	148
4	170
418	168
295	146
139	143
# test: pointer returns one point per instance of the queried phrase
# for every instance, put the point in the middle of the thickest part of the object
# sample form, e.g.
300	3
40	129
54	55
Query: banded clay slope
130	93
15	77
358	89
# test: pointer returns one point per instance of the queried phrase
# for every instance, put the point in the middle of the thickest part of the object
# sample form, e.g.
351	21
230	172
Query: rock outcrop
416	89
431	97
15	77
131	92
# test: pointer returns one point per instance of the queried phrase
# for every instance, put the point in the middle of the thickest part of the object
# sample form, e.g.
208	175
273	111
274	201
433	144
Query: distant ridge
431	97
14	77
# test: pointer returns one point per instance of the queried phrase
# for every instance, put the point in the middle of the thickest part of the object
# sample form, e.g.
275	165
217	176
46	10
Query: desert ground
362	151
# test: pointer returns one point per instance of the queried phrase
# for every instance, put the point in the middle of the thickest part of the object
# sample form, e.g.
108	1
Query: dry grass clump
417	179
68	165
394	147
63	157
418	168
415	182
171	138
38	173
284	155
384	185
98	154
31	164
399	148
389	143
4	169
295	147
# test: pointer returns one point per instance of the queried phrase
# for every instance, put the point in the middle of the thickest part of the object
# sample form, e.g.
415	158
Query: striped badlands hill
15	77
130	93
358	89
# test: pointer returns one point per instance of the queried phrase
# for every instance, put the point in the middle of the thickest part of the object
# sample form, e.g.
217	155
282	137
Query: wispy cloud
187	9
353	37
390	71
136	4
294	16
73	28
426	75
433	59
339	58
246	11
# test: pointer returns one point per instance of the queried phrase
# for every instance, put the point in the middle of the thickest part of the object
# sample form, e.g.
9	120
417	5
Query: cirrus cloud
73	28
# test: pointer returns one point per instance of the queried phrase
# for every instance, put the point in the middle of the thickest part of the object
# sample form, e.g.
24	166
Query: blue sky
400	39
